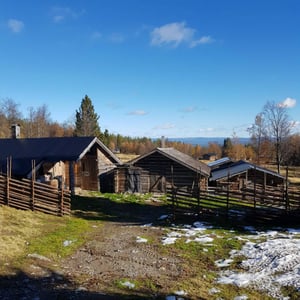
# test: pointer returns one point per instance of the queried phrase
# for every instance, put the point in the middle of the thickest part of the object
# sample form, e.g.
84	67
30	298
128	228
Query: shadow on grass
238	218
105	209
55	286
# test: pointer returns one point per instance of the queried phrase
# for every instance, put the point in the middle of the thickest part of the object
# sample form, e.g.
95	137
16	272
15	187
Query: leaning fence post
254	199
227	193
33	185
8	175
287	202
173	192
62	201
199	191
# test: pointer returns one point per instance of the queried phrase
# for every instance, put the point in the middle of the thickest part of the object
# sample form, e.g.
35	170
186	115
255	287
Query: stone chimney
15	131
163	142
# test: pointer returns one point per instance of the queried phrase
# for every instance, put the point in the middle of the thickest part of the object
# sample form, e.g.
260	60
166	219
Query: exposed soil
116	252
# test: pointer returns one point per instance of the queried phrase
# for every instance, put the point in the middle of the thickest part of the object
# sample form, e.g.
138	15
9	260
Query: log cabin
156	171
74	162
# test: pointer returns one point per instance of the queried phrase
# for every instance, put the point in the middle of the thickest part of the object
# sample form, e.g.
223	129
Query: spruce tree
87	119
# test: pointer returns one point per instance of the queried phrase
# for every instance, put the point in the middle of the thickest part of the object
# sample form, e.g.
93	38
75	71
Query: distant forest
38	123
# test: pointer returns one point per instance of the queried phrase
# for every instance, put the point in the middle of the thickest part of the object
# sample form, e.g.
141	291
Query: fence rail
31	195
255	198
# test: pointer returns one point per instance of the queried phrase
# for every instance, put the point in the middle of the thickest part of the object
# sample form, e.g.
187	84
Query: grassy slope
24	232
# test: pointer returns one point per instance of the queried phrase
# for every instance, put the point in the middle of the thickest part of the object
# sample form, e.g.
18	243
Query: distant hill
204	141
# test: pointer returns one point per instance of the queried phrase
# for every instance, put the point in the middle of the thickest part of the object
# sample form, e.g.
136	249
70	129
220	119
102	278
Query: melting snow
268	265
190	233
141	240
128	284
271	258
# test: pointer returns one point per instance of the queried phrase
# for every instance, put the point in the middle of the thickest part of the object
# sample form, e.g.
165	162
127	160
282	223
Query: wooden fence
31	195
251	198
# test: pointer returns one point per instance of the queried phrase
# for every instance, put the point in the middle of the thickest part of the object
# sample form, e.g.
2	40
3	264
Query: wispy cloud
288	102
189	109
137	113
202	41
15	26
117	37
96	35
208	129
164	126
113	105
60	14
174	34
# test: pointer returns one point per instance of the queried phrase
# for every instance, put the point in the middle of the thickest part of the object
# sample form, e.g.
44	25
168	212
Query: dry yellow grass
17	227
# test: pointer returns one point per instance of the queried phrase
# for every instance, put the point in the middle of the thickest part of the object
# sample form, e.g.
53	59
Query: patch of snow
269	264
205	239
222	263
188	231
242	297
272	258
201	225
180	293
169	240
67	243
213	291
128	284
38	256
141	240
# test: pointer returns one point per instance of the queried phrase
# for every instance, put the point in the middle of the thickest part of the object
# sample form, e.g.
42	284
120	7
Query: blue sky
177	68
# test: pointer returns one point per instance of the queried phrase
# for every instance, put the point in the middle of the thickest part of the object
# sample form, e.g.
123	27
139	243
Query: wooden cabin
69	162
242	174
210	156
158	170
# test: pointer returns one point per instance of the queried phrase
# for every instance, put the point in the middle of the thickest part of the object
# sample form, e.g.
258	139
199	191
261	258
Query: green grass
62	241
46	236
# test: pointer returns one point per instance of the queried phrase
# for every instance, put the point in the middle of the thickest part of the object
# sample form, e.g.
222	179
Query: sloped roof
219	162
238	168
179	157
23	151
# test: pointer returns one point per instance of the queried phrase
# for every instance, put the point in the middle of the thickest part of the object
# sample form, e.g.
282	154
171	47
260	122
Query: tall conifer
87	119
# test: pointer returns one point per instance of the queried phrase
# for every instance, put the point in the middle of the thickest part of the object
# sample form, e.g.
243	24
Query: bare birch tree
278	127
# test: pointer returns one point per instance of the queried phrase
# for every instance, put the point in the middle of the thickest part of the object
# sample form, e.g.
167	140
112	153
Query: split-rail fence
32	195
254	198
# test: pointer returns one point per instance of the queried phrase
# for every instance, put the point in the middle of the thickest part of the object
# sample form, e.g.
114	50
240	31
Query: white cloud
15	26
137	113
59	14
209	129
202	41
288	102
174	34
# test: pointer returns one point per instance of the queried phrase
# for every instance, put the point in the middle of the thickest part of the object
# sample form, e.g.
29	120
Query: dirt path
124	253
122	259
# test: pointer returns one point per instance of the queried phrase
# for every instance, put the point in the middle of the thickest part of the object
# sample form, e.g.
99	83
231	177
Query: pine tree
87	119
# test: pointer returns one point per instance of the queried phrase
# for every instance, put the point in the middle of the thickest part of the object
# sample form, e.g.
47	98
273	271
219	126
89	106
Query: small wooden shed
241	174
158	170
